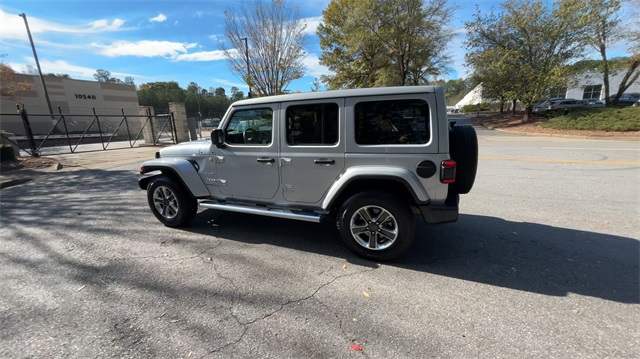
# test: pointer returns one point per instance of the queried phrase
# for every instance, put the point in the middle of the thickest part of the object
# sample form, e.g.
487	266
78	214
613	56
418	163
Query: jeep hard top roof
377	91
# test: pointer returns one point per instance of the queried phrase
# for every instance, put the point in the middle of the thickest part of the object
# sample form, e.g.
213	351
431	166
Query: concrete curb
602	138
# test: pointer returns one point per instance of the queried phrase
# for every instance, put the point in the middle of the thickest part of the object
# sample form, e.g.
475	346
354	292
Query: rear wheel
376	226
170	202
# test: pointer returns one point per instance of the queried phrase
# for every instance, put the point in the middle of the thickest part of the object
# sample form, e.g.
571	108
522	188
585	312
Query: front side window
392	122
252	127
312	125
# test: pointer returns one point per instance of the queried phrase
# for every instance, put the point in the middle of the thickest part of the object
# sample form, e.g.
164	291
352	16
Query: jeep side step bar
262	211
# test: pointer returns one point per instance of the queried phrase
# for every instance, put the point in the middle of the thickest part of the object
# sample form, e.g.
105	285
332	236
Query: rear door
312	148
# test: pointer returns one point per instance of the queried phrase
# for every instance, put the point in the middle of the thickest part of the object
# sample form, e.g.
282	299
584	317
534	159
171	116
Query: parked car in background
594	103
210	122
626	99
544	105
567	103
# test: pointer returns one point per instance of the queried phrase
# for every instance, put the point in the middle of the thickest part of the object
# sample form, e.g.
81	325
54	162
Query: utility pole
35	55
246	53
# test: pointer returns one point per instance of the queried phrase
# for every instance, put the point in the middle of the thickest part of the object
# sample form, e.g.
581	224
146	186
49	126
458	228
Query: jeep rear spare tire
463	148
376	226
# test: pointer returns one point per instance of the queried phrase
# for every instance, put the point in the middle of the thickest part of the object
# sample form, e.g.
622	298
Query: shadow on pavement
523	256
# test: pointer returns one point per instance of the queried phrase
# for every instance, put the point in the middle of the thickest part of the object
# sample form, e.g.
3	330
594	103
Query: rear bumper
441	213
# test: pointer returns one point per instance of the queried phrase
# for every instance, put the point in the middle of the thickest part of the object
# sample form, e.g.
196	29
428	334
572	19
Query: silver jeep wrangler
370	159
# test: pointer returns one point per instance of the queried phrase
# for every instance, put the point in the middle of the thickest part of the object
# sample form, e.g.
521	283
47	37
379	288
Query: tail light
448	171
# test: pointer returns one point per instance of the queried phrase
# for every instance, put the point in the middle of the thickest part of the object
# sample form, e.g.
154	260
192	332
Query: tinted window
392	122
250	127
312	125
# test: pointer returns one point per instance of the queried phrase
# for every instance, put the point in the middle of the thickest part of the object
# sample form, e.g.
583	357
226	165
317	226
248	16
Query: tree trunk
527	114
605	73
513	106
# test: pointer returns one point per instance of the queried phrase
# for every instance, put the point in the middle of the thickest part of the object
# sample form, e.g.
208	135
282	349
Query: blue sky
155	40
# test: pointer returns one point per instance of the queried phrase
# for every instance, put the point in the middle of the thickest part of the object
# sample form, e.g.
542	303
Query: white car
568	103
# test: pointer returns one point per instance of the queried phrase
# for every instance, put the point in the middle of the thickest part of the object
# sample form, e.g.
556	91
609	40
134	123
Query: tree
536	39
275	45
236	95
604	26
105	76
220	92
64	76
384	42
9	85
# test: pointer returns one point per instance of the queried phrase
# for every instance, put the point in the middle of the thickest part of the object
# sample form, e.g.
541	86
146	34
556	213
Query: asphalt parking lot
544	262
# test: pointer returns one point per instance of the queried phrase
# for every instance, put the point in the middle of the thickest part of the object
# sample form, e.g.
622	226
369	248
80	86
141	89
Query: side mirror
217	137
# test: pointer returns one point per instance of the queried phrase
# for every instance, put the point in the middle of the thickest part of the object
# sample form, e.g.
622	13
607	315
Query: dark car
626	99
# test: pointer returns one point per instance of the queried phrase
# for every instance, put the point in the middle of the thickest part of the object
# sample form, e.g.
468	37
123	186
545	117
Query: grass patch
604	119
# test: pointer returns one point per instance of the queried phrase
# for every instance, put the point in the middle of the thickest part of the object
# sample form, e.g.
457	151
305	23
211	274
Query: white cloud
13	26
202	56
314	68
199	13
63	67
104	25
144	48
239	85
312	25
159	18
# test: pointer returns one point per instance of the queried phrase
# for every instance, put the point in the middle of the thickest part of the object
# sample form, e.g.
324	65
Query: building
76	99
587	86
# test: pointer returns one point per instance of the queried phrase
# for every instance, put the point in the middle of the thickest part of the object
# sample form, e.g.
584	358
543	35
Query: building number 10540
86	97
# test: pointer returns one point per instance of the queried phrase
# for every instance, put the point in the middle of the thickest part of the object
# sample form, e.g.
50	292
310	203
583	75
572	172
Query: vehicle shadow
523	256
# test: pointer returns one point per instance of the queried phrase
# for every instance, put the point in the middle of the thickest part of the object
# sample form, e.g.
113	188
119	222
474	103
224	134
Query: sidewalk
92	159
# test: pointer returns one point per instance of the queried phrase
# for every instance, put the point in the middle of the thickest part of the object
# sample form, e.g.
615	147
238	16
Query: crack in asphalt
246	325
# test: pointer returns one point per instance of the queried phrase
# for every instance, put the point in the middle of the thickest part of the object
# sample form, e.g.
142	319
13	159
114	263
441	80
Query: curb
604	138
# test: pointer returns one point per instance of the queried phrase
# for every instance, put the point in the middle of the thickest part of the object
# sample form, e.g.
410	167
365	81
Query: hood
186	149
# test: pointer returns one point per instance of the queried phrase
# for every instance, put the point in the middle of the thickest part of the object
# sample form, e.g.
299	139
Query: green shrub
606	119
474	108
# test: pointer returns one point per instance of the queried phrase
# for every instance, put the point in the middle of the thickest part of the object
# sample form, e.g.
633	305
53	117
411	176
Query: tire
370	238
463	147
170	202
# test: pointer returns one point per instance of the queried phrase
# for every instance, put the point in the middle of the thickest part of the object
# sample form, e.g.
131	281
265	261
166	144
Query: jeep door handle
266	160
324	161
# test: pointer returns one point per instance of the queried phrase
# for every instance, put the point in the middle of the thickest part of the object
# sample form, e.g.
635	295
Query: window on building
558	92
392	122
312	124
592	92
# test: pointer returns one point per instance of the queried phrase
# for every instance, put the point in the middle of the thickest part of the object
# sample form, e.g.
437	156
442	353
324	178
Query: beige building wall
75	97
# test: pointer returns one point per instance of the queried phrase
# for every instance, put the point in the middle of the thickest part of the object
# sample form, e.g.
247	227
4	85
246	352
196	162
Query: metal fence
42	134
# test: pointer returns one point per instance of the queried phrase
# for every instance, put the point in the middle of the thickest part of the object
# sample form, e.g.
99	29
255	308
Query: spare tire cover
463	147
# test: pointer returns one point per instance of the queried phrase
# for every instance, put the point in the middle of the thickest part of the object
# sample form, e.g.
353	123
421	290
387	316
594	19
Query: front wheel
376	226
170	202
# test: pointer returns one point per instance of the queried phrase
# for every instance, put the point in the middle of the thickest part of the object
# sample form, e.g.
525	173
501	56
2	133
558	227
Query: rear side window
392	122
312	124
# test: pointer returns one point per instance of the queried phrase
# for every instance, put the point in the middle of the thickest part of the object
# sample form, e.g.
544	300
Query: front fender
399	174
183	170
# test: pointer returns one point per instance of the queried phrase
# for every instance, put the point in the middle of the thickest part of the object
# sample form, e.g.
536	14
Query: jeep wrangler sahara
370	159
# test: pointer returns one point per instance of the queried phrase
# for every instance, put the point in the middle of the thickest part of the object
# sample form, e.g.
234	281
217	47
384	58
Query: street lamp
246	53
35	55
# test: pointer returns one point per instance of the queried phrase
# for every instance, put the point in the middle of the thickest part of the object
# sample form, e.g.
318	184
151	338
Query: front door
312	149
247	165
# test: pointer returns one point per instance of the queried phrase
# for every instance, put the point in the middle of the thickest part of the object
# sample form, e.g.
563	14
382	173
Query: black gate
44	134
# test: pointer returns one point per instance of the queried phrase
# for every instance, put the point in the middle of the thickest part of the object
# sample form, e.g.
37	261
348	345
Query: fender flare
183	170
398	174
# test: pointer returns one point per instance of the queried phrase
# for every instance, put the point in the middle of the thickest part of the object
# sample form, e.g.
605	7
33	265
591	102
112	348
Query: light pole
246	53
35	55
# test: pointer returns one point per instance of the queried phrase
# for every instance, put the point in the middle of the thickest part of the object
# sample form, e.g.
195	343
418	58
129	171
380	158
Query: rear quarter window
392	122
